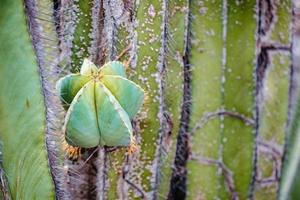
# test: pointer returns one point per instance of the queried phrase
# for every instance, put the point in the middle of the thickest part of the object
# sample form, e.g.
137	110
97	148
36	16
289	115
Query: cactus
23	122
220	117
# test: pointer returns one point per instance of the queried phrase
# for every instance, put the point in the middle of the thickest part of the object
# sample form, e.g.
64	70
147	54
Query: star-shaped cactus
101	103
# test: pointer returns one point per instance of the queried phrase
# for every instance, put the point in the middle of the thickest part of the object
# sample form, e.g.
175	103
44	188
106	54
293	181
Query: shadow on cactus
100	104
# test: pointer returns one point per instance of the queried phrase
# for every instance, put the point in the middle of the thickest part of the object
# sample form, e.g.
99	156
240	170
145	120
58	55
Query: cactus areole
100	103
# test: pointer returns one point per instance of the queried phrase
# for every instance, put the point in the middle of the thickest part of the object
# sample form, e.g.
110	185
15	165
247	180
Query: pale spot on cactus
203	10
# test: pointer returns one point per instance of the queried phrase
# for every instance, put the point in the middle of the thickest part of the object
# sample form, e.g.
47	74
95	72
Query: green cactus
220	117
101	105
22	114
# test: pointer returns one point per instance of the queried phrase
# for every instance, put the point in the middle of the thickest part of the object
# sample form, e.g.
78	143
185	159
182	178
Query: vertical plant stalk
295	67
272	91
239	87
178	181
41	17
129	182
147	38
162	113
22	113
98	49
110	28
222	83
289	181
82	34
208	59
173	89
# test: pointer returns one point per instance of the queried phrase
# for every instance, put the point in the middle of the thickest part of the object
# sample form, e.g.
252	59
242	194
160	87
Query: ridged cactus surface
220	116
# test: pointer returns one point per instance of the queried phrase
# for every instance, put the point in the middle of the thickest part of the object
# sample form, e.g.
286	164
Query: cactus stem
110	29
47	61
98	42
288	170
179	174
262	61
267	20
162	113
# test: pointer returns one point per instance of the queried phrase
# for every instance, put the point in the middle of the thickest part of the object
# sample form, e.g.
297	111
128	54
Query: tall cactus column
289	187
221	132
150	67
25	121
273	85
228	121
